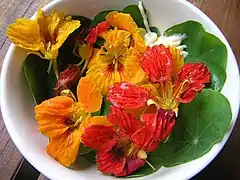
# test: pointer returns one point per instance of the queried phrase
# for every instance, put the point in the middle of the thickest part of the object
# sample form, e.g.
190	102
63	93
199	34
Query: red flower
68	78
126	95
122	147
195	75
100	28
157	63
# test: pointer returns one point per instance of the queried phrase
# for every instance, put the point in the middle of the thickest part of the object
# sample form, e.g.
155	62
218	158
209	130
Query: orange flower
64	121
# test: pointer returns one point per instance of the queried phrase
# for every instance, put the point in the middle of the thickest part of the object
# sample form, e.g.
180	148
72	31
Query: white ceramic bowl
17	104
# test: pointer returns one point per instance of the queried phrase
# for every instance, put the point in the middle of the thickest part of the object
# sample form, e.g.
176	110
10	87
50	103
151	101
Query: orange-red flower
63	120
170	82
122	147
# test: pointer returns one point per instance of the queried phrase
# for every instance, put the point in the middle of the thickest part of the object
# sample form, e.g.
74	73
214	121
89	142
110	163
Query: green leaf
105	107
134	11
40	82
155	29
204	47
98	113
91	156
100	17
83	150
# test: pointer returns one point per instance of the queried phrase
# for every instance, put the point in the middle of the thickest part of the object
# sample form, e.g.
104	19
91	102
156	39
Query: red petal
100	28
158	127
157	63
100	137
132	165
126	95
196	75
110	162
125	121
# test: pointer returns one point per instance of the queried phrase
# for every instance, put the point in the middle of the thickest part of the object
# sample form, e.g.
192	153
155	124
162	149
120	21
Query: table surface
225	13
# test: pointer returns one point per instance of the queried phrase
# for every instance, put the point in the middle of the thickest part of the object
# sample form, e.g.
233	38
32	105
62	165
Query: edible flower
118	59
44	35
123	147
170	81
63	120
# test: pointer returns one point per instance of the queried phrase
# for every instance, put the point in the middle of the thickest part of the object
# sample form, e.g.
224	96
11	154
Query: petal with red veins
111	162
95	32
126	95
157	63
125	121
195	76
132	164
99	137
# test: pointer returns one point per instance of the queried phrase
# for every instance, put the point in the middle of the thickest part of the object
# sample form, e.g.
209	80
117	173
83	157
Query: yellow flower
45	34
125	22
116	61
64	121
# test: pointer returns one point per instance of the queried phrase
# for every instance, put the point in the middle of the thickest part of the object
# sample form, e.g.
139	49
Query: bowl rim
40	168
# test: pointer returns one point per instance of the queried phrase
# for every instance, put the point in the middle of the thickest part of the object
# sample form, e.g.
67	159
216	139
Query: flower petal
178	61
132	164
88	95
126	95
194	76
116	41
52	115
68	78
160	124
157	63
25	33
138	42
122	21
64	148
95	32
110	162
125	121
99	137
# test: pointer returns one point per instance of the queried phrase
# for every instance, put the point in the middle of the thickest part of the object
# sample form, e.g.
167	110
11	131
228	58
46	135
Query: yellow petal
25	33
103	76
64	148
94	58
116	41
88	95
151	89
122	21
52	115
178	61
100	120
138	42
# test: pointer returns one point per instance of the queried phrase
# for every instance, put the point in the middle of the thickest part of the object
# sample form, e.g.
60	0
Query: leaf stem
80	63
151	166
55	67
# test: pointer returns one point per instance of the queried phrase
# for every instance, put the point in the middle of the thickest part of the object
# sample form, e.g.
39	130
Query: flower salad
122	94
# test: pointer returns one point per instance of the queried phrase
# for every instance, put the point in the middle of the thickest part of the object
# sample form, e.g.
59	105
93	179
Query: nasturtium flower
116	61
63	120
124	21
170	81
44	35
122	148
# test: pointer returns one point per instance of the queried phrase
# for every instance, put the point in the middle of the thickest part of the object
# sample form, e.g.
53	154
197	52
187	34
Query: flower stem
49	66
80	63
84	67
55	67
151	166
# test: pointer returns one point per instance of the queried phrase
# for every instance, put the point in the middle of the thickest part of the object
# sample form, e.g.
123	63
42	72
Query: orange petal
88	95
122	21
100	120
64	148
52	114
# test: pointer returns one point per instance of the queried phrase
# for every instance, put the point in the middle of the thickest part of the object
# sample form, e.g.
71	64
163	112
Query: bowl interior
17	104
